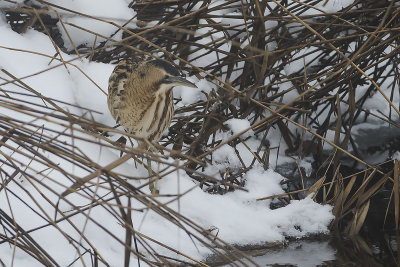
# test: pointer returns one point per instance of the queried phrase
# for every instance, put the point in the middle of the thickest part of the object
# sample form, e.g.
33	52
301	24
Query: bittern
140	98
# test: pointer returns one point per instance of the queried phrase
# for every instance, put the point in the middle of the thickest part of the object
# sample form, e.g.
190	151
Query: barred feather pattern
138	100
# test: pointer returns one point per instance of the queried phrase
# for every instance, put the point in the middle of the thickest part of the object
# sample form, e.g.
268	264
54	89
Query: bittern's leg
121	142
153	184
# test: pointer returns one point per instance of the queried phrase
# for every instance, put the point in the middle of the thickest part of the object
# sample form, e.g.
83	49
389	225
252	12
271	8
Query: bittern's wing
116	86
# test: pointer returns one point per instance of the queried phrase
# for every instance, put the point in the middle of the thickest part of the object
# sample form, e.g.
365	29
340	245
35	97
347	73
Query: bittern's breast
146	117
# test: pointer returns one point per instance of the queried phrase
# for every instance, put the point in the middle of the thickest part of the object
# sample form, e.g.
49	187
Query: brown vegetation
353	48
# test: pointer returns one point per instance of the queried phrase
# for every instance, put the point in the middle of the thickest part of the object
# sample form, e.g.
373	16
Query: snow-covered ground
237	216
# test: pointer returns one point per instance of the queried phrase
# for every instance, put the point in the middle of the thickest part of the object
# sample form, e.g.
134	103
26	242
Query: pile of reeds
339	53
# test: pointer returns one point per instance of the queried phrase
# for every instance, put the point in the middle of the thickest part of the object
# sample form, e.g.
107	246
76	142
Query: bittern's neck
139	92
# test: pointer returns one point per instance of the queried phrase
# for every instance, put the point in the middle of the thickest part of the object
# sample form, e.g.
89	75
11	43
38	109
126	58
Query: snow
191	95
302	58
103	10
238	125
330	6
85	91
239	218
396	155
8	4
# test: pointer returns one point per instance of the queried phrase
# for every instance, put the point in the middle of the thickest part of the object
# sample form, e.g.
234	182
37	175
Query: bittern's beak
180	81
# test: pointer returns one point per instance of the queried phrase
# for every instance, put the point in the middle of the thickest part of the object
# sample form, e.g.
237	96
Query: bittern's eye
141	74
167	79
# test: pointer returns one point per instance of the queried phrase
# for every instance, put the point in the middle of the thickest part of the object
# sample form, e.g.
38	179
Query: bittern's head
160	75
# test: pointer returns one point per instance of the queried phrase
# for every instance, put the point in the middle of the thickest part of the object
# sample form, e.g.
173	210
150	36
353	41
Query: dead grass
354	48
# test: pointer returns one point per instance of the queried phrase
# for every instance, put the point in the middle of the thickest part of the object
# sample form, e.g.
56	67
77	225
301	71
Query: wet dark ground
376	250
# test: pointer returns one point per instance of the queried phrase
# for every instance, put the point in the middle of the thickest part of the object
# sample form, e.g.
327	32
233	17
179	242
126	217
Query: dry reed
354	48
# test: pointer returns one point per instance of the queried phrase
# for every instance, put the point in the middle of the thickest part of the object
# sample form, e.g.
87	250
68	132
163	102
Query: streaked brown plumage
140	96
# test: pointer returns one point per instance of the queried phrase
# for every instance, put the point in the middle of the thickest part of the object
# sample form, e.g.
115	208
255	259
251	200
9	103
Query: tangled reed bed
245	49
